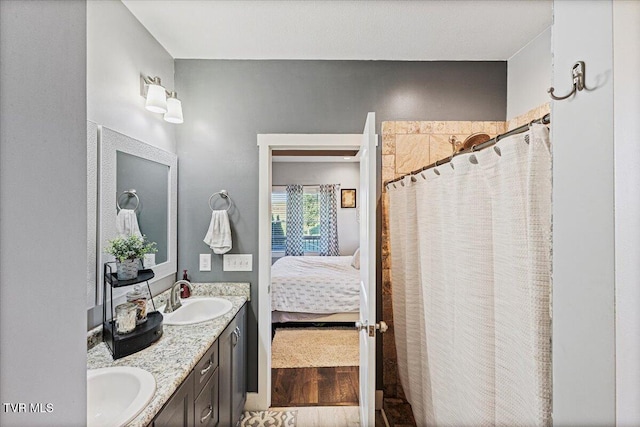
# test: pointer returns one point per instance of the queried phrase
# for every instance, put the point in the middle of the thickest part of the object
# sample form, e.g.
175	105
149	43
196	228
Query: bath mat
269	419
315	348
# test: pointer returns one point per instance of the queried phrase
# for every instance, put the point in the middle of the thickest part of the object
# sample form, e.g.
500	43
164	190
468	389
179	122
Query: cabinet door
232	370
178	411
206	405
239	368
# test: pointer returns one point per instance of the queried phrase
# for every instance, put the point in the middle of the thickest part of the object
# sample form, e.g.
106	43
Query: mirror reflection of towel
127	223
219	234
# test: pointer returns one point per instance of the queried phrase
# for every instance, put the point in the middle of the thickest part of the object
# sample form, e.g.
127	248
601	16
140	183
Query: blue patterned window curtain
295	221
328	220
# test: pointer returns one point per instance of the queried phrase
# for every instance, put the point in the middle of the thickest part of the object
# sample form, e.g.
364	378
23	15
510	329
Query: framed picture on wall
348	198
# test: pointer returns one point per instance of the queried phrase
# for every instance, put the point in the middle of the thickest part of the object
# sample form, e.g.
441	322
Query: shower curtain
471	264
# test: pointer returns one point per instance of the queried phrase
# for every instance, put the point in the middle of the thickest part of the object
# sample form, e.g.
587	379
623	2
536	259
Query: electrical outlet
237	262
205	262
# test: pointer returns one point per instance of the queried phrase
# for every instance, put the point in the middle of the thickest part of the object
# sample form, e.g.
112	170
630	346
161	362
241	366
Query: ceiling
427	30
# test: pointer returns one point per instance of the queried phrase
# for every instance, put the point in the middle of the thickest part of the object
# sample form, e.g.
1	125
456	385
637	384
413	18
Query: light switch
237	262
205	262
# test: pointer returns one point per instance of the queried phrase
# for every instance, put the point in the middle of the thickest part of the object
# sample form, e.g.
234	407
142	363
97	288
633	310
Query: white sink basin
196	310
117	395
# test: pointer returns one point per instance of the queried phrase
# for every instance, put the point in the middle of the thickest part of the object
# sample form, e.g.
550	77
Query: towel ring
223	194
129	193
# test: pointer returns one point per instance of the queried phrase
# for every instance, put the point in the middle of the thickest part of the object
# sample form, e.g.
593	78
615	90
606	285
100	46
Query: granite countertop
176	353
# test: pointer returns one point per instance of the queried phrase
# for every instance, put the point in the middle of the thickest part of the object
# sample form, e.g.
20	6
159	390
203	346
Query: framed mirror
126	164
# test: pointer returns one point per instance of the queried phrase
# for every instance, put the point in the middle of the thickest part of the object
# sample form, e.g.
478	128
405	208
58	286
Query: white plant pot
127	269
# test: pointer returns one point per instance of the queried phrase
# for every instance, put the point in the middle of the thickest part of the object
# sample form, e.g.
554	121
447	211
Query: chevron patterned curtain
295	221
328	220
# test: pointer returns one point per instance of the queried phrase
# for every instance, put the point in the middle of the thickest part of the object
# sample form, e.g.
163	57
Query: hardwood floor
336	386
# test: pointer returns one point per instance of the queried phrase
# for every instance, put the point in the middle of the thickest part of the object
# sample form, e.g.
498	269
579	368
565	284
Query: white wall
347	174
583	218
626	61
43	148
529	76
119	49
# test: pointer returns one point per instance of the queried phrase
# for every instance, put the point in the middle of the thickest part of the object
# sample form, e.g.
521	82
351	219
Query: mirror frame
109	142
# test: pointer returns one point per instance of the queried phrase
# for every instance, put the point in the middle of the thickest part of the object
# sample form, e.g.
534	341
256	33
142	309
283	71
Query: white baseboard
254	403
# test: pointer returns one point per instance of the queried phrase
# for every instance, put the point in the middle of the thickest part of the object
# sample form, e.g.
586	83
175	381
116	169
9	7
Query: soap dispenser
184	290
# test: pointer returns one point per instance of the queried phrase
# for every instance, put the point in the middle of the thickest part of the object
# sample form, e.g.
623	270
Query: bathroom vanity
199	368
214	393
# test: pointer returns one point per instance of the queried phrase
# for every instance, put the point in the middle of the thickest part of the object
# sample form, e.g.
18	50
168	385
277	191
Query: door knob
382	326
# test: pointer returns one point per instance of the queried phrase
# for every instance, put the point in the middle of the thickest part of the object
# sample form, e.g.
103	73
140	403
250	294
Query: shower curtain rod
545	120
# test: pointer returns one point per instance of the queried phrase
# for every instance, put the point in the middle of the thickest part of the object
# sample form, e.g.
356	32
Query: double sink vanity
194	375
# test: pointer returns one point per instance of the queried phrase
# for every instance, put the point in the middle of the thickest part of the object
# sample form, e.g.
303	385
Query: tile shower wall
407	146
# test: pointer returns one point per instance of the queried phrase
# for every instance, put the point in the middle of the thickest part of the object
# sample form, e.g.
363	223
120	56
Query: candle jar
139	297
125	317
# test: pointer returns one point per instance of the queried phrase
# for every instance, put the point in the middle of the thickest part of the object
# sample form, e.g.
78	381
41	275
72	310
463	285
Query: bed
315	289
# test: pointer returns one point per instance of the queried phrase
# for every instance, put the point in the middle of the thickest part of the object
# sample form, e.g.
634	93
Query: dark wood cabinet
233	389
207	410
178	411
214	393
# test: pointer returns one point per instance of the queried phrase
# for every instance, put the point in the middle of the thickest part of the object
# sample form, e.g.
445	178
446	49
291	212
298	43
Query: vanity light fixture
159	100
174	109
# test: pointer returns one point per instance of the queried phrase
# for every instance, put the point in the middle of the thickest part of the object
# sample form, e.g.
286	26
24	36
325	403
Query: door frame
267	143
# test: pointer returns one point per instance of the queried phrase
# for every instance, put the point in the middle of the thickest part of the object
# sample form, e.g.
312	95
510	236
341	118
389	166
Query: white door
367	323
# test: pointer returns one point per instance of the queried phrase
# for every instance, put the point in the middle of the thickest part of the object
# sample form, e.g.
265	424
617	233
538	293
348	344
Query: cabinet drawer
205	367
206	407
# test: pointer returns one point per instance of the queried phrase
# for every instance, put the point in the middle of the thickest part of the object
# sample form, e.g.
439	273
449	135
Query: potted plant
129	251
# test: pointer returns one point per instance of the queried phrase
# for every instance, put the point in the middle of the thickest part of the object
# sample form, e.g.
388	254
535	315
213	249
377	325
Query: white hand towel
219	234
127	223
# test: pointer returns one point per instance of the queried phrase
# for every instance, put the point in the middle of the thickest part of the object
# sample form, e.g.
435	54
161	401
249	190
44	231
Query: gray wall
347	174
227	103
43	218
119	49
529	76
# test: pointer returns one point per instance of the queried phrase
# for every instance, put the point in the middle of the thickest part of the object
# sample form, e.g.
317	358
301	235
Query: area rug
269	419
315	348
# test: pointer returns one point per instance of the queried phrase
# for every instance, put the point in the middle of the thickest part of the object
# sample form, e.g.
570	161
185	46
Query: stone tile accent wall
407	146
525	118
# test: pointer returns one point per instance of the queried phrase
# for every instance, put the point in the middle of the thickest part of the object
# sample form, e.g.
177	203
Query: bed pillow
355	261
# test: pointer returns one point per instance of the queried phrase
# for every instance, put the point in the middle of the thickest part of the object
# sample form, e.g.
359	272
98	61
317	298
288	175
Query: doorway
314	280
365	144
268	143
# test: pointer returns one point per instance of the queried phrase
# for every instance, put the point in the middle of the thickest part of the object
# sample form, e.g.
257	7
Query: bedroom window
278	219
311	219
